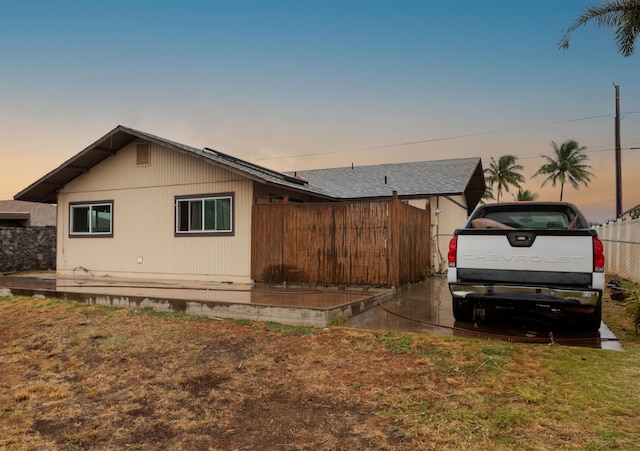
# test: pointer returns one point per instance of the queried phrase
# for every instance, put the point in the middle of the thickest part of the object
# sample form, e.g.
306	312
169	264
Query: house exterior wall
144	244
443	224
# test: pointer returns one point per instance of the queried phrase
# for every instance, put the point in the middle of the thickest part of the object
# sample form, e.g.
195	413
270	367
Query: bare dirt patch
80	377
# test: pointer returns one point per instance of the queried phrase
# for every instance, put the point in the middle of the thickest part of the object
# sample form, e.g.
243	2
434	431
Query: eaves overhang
476	186
399	195
46	188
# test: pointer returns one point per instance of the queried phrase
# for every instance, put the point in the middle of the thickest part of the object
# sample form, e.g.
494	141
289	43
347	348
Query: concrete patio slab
299	306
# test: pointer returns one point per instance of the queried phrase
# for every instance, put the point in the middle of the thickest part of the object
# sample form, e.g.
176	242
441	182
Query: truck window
531	219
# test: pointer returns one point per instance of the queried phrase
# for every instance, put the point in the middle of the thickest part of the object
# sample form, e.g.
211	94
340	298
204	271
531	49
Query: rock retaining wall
27	249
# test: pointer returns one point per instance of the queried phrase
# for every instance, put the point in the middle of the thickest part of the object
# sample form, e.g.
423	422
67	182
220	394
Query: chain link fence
622	258
621	240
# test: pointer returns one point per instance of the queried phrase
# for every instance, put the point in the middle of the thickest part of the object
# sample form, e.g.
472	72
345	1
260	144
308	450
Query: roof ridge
152	136
222	155
254	166
387	164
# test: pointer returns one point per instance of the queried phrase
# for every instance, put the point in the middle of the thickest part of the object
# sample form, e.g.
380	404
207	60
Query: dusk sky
296	85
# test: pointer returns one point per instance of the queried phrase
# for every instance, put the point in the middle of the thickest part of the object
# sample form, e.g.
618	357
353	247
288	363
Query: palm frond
623	15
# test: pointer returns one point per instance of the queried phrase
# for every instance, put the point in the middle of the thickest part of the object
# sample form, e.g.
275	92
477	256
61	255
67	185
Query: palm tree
504	173
525	195
568	165
623	15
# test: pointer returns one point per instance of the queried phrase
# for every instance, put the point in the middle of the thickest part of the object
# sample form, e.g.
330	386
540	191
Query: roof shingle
407	179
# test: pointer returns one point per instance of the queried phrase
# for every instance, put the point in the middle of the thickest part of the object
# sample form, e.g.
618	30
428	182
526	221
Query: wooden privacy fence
352	243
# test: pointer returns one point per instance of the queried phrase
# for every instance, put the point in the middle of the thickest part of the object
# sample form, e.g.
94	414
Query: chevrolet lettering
526	258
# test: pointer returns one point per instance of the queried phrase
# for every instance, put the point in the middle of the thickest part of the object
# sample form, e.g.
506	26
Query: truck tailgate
504	250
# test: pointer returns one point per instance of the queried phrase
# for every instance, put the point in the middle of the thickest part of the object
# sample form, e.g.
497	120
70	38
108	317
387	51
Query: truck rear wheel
462	309
591	321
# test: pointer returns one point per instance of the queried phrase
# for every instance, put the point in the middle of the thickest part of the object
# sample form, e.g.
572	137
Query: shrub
632	308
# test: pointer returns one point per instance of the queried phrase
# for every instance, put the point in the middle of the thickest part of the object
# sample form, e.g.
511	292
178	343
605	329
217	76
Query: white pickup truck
531	256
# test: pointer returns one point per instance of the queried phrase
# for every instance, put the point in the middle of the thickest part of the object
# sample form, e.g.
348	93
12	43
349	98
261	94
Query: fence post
393	239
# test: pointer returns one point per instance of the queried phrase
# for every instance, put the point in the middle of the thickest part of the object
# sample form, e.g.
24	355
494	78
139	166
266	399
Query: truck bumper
553	296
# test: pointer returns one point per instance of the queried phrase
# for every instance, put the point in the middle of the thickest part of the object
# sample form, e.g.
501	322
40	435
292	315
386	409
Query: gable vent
142	154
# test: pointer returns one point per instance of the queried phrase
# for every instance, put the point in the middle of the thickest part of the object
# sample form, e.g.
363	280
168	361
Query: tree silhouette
525	195
568	165
503	173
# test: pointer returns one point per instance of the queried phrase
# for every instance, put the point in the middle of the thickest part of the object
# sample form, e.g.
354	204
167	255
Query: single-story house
136	205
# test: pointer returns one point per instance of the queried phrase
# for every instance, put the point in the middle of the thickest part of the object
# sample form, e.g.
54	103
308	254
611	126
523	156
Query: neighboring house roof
418	179
407	179
462	176
32	214
45	189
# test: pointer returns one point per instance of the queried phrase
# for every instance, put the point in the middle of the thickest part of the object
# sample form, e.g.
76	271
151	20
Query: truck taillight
453	244
598	255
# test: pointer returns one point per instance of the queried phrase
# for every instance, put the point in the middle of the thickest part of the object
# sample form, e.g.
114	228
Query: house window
93	219
206	214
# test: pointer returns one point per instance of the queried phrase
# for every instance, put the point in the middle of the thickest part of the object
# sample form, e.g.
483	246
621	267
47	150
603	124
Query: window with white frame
91	219
210	214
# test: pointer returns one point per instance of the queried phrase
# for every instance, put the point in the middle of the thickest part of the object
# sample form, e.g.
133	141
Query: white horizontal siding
143	220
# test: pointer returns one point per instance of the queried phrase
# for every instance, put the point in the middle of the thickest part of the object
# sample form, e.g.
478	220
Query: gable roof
418	179
45	189
408	179
463	176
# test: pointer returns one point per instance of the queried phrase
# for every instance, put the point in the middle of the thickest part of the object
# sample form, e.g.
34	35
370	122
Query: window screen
91	219
211	214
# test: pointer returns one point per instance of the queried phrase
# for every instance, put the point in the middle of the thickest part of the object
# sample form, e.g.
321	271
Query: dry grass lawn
85	377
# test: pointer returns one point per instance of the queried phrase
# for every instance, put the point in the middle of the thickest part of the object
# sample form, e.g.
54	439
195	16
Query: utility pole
618	156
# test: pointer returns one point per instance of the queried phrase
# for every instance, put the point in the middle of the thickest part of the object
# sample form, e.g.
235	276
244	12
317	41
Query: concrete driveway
423	307
426	307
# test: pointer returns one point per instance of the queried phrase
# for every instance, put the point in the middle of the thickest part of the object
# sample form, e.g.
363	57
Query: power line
448	138
606	148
